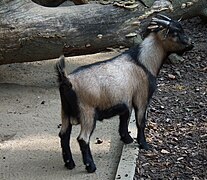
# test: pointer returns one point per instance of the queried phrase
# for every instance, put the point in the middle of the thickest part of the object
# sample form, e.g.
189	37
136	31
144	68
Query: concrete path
29	119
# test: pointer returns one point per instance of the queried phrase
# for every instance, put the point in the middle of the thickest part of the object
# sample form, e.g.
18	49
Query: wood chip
171	76
163	151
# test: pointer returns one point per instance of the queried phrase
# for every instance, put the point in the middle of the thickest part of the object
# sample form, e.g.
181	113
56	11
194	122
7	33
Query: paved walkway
29	118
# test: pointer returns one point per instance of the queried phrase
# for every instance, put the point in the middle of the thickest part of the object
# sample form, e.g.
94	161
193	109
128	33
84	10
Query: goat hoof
91	168
144	146
70	164
127	139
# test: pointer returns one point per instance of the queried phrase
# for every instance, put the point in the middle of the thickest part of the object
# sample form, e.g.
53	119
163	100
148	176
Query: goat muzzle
189	44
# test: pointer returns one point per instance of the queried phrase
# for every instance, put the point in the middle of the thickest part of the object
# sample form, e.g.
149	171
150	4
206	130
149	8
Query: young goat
115	87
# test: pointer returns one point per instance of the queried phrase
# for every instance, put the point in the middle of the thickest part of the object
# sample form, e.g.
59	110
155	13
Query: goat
114	87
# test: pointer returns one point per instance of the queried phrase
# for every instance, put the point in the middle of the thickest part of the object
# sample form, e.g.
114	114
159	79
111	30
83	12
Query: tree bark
30	32
55	3
49	3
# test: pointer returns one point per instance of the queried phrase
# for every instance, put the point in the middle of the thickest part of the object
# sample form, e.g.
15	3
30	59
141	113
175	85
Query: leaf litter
177	118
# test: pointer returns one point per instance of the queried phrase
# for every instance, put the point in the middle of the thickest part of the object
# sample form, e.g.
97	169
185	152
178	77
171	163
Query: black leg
123	127
141	138
65	144
88	124
87	157
141	123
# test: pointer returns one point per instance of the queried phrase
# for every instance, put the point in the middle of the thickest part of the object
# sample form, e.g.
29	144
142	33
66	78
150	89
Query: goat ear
161	22
180	19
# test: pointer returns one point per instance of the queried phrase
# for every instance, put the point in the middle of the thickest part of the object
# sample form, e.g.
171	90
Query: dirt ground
177	118
30	123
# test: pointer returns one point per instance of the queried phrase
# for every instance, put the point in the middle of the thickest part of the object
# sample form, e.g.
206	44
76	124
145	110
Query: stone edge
127	163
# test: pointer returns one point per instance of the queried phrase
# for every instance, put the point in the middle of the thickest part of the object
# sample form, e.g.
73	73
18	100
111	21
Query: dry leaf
164	151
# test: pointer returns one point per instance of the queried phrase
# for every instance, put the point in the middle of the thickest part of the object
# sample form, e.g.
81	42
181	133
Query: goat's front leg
123	127
65	141
140	115
87	127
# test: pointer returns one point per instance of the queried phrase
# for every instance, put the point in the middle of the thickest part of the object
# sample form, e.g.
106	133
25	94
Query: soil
177	126
30	122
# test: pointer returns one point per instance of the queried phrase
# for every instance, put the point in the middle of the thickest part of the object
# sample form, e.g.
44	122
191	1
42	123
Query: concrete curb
127	163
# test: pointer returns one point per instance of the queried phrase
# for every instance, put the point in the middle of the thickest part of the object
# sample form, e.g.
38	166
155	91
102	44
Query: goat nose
190	45
190	41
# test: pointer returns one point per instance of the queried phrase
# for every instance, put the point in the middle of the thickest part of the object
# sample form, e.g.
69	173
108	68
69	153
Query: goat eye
175	34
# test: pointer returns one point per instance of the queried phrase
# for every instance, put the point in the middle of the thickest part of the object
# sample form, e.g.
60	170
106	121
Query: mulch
177	116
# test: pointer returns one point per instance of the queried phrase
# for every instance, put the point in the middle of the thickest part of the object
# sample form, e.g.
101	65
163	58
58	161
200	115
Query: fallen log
55	3
30	32
49	3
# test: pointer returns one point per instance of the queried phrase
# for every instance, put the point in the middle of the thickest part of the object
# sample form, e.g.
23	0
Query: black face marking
110	112
178	36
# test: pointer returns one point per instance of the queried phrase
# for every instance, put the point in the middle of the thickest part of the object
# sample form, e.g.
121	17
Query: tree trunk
49	3
30	32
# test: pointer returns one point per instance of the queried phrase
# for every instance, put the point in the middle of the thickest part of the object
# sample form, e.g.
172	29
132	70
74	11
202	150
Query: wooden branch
49	3
55	3
30	32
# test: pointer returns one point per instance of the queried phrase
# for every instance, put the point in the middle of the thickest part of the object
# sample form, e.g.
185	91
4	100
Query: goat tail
60	67
61	72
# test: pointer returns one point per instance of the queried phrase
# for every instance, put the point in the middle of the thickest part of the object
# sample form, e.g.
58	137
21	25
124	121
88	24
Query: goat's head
171	34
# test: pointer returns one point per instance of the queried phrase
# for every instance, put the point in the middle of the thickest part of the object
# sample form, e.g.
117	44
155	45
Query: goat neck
152	53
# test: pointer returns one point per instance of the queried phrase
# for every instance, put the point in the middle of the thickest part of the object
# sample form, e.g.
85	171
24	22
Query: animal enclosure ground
30	123
177	118
177	127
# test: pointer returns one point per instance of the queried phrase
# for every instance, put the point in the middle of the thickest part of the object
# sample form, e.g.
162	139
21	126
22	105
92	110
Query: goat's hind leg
65	141
87	127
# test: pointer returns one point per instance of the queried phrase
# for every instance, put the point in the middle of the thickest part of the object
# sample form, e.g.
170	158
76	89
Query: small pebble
98	141
43	102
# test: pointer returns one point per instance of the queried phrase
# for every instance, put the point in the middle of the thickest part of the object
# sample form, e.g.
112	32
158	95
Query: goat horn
180	19
154	23
164	17
161	22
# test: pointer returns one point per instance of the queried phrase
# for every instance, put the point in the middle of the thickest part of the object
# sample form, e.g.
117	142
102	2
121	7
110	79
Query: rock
175	59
